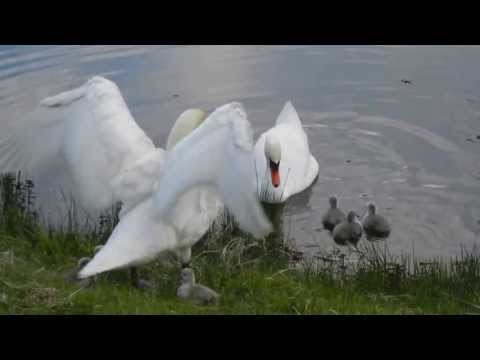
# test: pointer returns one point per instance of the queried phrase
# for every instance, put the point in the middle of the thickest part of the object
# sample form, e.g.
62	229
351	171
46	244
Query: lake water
375	137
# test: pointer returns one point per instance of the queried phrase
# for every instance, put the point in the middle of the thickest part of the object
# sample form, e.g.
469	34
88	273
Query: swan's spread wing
89	128
217	154
136	182
141	235
194	213
138	238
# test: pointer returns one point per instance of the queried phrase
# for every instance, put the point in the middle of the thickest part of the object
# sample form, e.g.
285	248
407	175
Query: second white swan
284	163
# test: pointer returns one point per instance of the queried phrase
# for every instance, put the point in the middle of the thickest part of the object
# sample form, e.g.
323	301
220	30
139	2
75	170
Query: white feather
298	168
91	130
110	159
215	162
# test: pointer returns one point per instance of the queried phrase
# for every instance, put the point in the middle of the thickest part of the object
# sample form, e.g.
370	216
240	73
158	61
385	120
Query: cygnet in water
334	215
375	225
348	232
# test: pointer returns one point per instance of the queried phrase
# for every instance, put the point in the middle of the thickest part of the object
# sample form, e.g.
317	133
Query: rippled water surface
410	147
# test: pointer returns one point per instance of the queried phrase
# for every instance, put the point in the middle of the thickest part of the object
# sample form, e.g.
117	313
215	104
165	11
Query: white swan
92	132
283	160
218	156
109	158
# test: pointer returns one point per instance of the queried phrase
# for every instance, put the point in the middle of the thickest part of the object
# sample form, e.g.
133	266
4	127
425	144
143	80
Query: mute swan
375	225
348	232
334	215
108	156
218	155
189	290
283	160
92	132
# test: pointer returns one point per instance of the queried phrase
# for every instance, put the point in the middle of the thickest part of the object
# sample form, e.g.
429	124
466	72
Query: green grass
252	276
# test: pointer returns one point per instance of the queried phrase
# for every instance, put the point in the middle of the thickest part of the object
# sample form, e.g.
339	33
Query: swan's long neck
273	149
273	153
188	121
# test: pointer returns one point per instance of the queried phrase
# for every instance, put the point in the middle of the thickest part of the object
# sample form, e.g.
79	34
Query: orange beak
274	170
275	177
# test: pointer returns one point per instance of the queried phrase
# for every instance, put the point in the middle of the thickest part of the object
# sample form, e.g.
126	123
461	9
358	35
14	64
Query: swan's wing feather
238	183
288	115
90	128
138	238
135	183
28	148
217	154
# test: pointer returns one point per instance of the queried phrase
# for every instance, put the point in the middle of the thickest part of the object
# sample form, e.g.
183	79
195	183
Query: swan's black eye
274	166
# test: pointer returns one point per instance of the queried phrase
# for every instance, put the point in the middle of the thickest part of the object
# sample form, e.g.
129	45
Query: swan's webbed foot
185	256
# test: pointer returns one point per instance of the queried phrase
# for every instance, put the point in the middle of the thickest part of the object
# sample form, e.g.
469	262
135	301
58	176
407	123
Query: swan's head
351	216
372	208
273	153
188	121
187	276
333	200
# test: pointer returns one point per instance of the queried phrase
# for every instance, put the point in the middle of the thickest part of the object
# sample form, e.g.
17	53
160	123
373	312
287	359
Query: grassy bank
253	277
